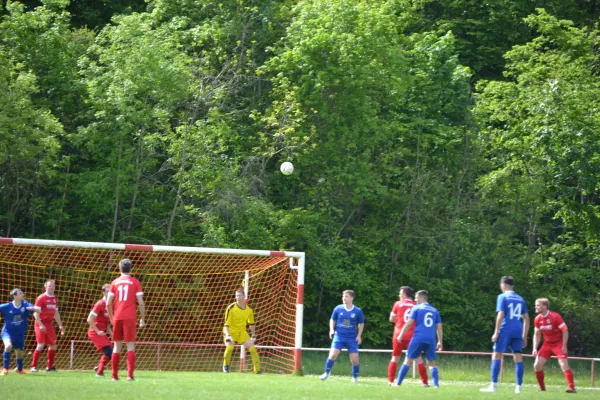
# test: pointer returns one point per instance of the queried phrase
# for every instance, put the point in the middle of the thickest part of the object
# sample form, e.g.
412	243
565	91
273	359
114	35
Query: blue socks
355	370
6	358
20	364
496	370
520	370
402	374
435	376
328	365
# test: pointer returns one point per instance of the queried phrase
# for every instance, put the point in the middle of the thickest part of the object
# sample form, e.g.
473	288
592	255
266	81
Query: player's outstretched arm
360	327
109	306
142	307
36	316
499	319
440	337
526	323
331	328
537	335
59	322
92	324
405	329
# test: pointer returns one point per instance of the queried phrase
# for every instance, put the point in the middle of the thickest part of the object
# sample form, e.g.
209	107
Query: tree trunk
117	192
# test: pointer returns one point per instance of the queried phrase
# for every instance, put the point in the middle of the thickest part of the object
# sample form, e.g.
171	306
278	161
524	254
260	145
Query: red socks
51	354
540	378
103	363
116	358
569	378
392	369
130	363
36	358
423	373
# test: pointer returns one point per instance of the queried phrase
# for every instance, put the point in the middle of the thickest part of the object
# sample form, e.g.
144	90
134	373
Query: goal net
186	291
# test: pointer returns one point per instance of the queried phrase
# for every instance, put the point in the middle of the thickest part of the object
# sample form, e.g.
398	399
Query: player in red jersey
100	330
551	326
44	328
399	315
121	300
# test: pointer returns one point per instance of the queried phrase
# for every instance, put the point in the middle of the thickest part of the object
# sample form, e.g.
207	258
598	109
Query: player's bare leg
130	360
333	355
6	356
36	356
116	358
355	366
564	365
538	367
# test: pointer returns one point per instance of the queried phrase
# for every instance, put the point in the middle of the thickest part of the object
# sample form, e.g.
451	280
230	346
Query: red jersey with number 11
125	289
402	311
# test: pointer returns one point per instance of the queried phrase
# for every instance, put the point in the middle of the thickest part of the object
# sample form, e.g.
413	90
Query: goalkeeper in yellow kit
237	317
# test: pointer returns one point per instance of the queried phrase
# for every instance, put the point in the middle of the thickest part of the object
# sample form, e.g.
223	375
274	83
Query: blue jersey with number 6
426	318
514	307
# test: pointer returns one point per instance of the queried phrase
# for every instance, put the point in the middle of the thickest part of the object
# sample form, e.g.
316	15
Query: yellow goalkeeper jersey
237	319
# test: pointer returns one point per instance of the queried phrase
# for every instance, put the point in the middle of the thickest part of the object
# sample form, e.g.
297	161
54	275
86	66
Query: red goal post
186	291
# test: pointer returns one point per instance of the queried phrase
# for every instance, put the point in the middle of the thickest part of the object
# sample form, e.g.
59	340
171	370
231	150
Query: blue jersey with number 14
426	318
514	307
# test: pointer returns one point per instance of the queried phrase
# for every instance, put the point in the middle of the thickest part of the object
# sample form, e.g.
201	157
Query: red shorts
48	337
398	347
99	341
555	348
124	331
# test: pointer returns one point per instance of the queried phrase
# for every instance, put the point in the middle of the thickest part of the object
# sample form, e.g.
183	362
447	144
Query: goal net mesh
186	294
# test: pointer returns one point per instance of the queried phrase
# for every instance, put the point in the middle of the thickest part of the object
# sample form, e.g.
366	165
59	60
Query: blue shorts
18	341
416	348
350	343
506	342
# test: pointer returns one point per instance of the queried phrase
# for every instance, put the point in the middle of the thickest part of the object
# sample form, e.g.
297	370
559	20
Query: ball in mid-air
287	168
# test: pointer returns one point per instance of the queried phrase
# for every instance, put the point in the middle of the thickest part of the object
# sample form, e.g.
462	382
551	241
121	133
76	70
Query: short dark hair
240	290
125	265
407	290
423	293
350	292
13	293
508	280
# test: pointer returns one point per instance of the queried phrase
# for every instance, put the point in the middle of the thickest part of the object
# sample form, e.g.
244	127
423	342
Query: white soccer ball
287	168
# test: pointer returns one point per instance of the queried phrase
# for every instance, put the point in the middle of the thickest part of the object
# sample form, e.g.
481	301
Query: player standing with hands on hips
345	328
44	327
120	303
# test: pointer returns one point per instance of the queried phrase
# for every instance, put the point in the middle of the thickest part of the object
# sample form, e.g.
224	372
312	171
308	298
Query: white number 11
124	290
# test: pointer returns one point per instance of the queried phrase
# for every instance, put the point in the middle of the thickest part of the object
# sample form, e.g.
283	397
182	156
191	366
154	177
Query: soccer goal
186	291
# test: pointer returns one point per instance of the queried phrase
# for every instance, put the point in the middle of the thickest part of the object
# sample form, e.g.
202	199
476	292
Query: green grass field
212	385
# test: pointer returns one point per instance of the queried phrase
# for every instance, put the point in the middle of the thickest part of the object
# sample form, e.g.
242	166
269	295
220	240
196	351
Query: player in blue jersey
512	327
15	314
428	323
345	328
